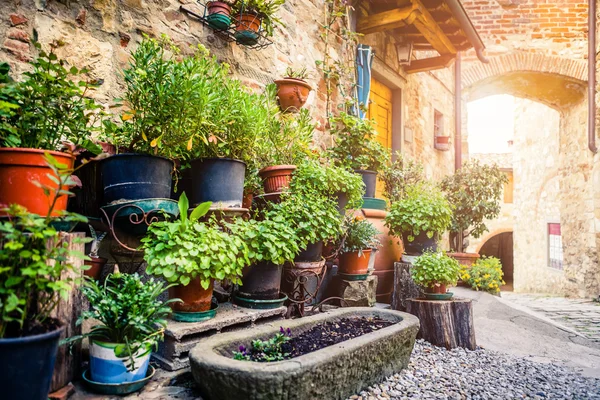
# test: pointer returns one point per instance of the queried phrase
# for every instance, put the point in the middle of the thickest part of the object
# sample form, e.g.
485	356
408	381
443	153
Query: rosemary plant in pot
37	115
475	191
356	245
36	270
293	90
434	271
420	218
132	320
356	148
192	255
285	142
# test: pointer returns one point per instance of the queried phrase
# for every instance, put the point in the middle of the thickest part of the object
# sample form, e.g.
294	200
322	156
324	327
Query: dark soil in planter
31	328
330	333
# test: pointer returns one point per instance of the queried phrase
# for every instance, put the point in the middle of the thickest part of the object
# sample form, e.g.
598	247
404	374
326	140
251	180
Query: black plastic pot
312	253
89	197
220	180
27	364
420	244
261	281
370	180
183	184
135	177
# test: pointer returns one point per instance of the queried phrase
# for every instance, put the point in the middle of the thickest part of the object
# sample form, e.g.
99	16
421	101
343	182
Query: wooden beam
429	64
386	20
429	28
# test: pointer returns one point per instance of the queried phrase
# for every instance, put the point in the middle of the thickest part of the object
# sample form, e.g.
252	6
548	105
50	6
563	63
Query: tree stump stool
446	323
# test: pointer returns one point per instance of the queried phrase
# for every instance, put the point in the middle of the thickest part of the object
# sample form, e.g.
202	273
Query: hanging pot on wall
261	281
219	180
19	169
277	177
370	180
132	176
420	244
292	93
442	143
247	28
219	15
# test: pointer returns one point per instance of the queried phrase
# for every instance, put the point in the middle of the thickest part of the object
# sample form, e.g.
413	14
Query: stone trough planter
334	372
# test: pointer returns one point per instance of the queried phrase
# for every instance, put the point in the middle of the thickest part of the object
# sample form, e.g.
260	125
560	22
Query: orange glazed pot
19	168
194	297
292	93
353	264
277	177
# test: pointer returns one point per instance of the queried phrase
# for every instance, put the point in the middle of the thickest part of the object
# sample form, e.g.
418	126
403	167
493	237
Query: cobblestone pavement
580	315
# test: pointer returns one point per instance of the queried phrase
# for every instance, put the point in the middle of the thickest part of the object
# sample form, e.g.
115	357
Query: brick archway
524	62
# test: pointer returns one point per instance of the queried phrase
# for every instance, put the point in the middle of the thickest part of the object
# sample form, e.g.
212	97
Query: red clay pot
442	139
96	264
353	264
441	289
19	168
248	22
218	7
292	93
466	259
277	177
247	200
194	297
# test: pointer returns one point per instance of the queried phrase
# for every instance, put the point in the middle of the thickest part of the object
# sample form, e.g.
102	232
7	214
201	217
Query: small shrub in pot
292	90
434	271
356	245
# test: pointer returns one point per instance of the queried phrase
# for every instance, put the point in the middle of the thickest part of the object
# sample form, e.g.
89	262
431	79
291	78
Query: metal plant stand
297	277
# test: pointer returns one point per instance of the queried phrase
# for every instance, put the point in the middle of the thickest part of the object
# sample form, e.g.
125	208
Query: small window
438	123
509	187
555	247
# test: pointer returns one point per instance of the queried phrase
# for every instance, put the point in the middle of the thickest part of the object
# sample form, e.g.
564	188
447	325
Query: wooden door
380	110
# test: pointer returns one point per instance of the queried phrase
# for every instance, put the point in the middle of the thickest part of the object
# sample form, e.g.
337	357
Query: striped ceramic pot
106	367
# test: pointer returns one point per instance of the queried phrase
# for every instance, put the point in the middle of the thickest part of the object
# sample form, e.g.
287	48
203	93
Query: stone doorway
501	246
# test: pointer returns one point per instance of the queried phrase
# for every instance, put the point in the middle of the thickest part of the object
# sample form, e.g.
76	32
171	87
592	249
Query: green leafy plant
328	180
475	191
424	209
286	138
486	275
299	73
35	260
266	350
48	107
356	146
186	249
435	268
359	234
399	175
264	9
129	313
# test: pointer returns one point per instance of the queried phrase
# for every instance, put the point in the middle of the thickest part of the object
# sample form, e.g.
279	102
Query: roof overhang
440	25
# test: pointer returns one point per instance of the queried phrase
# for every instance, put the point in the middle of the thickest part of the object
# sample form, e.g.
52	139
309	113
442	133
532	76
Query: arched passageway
501	246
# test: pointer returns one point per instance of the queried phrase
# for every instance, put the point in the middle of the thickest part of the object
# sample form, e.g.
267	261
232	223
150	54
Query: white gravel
437	373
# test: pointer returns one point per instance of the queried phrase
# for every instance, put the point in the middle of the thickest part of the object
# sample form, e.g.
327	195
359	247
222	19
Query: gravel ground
436	373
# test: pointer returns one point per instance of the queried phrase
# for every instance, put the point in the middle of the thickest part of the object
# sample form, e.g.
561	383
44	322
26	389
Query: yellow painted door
380	110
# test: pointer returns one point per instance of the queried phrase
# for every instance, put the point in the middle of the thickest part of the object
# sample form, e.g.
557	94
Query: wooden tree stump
404	287
446	324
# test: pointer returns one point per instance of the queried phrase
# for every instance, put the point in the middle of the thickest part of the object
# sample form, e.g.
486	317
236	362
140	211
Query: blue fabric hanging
364	62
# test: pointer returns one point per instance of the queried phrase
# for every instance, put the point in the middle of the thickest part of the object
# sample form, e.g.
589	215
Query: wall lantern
404	51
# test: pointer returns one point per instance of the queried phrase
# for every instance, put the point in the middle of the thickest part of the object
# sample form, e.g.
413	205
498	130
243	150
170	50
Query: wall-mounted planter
219	15
334	372
292	93
247	29
442	143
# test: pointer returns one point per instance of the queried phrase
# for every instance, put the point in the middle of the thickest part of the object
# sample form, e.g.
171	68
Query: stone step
181	337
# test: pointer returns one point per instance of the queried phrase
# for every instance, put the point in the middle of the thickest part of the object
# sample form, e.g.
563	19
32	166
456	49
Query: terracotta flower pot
19	169
277	177
352	263
292	93
246	29
194	297
247	201
437	289
96	264
466	259
219	15
442	142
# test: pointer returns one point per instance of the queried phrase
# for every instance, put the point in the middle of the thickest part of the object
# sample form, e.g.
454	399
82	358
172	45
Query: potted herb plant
254	16
132	320
346	187
95	263
285	142
356	148
357	243
419	218
474	191
36	271
434	271
293	90
192	255
37	115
